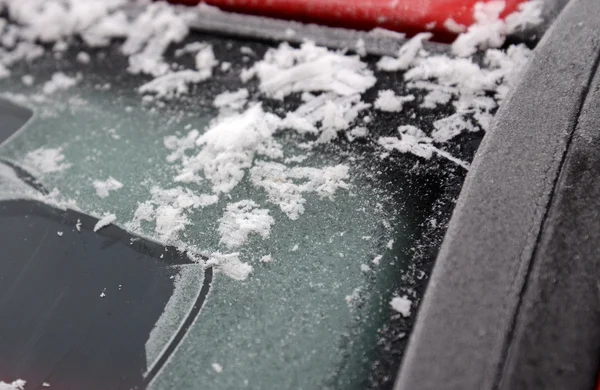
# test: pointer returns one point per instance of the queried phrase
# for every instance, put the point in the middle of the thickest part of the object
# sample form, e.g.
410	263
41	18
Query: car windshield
319	245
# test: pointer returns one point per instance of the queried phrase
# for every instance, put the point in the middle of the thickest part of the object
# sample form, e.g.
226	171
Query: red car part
409	16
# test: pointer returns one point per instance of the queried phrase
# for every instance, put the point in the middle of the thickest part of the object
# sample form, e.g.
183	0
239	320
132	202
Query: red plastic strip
409	16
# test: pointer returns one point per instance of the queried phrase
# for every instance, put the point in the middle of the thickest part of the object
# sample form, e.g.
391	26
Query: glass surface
83	306
312	318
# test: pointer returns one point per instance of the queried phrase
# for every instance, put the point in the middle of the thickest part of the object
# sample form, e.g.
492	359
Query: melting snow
59	81
389	101
454	27
103	188
233	101
229	264
406	54
19	384
225	66
107	219
325	115
377	260
175	84
228	148
489	31
149	36
46	160
357	132
266	259
240	220
205	59
529	14
413	140
217	367
402	305
27	80
285	186
169	209
83	57
310	68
